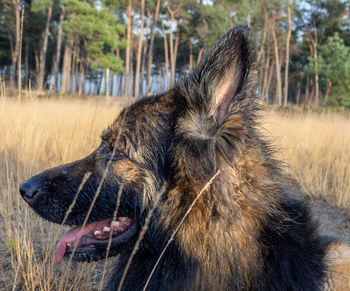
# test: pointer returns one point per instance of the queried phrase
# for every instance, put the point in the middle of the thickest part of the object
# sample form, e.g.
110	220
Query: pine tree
96	33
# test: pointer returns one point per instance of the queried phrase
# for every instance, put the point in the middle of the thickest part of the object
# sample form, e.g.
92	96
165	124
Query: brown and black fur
246	232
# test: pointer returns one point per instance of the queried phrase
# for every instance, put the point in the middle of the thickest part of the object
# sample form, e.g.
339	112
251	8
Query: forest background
131	48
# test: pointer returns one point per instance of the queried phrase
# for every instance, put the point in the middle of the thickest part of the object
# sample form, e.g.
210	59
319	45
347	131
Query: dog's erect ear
220	100
225	75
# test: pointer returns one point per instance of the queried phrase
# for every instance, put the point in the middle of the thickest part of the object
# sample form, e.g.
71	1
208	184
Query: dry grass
34	136
43	133
316	148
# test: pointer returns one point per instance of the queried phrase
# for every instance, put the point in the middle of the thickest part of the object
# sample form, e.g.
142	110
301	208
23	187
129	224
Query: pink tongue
73	236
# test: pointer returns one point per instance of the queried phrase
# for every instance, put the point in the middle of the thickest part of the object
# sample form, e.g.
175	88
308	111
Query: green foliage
218	22
334	70
98	29
40	5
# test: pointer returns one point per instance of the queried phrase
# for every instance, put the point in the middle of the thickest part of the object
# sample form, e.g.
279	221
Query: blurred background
131	48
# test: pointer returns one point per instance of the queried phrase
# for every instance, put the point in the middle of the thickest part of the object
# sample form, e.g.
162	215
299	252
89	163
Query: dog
185	189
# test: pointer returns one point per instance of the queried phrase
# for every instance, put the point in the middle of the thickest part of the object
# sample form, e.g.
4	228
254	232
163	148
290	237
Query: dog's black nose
30	188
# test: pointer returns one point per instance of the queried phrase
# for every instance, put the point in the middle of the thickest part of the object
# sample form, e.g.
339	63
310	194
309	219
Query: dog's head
161	145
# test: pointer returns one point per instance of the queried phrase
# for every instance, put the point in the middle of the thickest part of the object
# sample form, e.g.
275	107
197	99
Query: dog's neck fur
230	266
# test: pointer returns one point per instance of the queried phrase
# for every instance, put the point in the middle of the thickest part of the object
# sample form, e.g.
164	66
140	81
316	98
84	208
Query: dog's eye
118	155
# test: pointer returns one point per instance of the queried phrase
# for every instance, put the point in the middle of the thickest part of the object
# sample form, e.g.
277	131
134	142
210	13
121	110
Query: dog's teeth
106	229
97	232
122	218
114	223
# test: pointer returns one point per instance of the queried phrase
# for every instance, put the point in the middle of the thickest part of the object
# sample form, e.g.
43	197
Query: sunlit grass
34	136
316	148
44	133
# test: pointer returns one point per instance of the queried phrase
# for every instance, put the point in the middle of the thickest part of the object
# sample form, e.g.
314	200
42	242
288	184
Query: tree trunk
119	77
317	91
43	50
139	51
112	85
176	47
200	54
297	98
143	68
20	58
67	59
312	93
265	60
82	79
13	59
131	70
26	64
55	72
73	67
36	60
190	61
307	90
76	70
120	85
269	79
100	78
127	53
205	24
144	53
107	83
150	50
166	55
329	86
266	77
171	46
285	95
261	74
261	52
278	99
268	82
15	48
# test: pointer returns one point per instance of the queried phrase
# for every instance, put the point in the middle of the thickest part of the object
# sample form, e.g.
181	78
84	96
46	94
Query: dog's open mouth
95	234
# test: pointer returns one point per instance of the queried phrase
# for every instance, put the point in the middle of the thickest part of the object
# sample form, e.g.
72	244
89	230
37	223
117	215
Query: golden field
43	133
316	150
